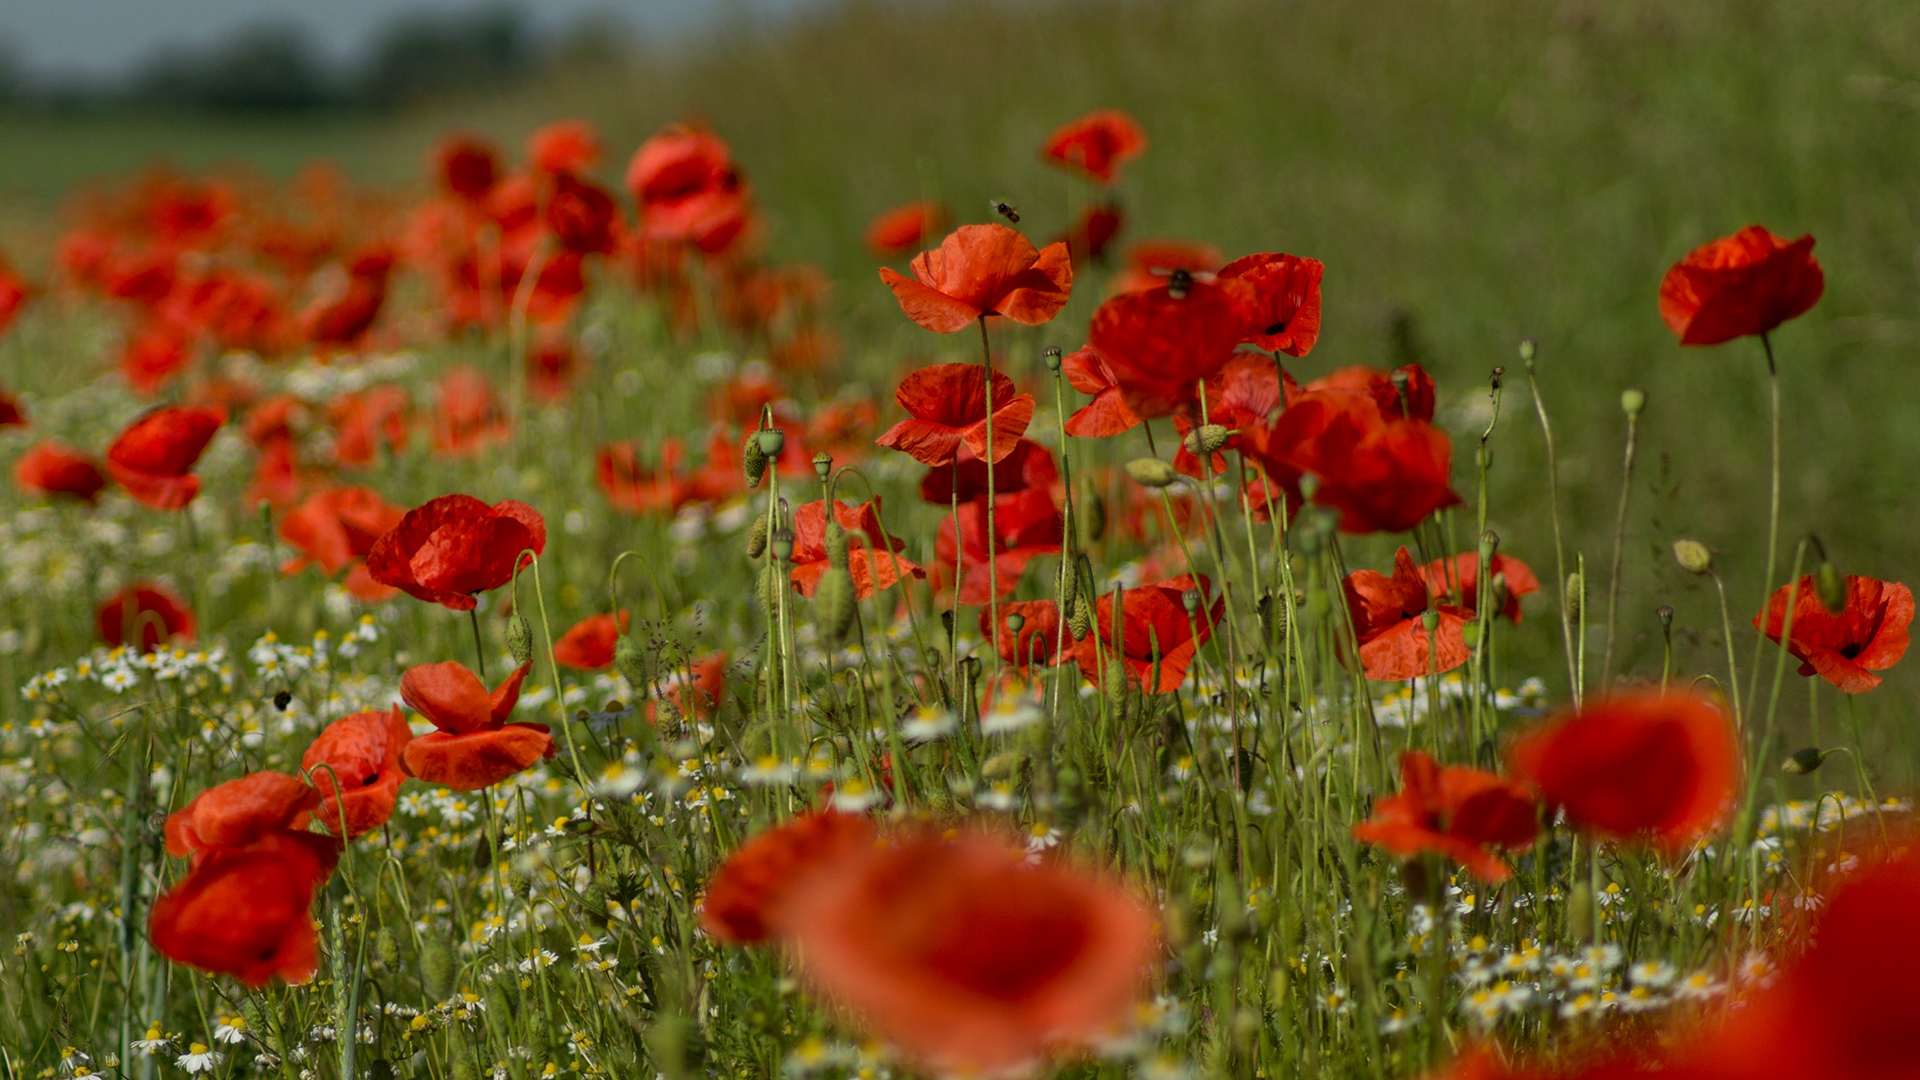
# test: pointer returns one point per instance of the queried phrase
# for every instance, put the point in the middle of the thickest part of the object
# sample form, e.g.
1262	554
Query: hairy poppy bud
833	604
757	537
436	970
1693	556
823	465
499	1005
1632	401
1205	439
1051	357
519	638
1831	588
771	582
1576	592
627	660
755	460
385	948
463	1069
836	544
771	442
1804	761
1497	592
1114	683
1093	517
782	540
1079	617
1151	472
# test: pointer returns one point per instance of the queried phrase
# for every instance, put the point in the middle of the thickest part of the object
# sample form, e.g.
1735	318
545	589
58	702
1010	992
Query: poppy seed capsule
757	537
1151	473
1831	588
1632	401
782	540
627	660
1016	621
822	465
1665	615
519	638
1206	439
754	459
833	604
1693	556
1190	600
1051	357
771	441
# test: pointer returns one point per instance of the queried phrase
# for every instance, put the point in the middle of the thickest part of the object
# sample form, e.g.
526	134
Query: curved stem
1619	542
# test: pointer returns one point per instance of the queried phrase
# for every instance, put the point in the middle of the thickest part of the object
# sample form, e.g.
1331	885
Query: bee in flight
1004	210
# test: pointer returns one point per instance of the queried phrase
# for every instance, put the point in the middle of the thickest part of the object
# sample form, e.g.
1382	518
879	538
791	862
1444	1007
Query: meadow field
480	474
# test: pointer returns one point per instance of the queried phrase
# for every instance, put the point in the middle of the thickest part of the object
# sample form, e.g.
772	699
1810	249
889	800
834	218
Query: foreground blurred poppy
872	568
1389	621
1107	414
1458	579
363	750
238	812
154	456
745	899
152	610
338	528
1662	767
1747	283
564	146
1868	635
1096	144
1282	312
1455	812
981	270
582	217
906	228
947	407
588	644
51	468
244	911
688	189
475	747
450	549
968	958
1155	629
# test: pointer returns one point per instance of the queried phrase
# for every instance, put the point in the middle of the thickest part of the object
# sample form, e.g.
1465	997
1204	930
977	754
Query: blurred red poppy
1107	414
1868	635
155	353
154	456
564	146
1382	475
469	417
871	567
1091	232
588	644
449	549
238	812
689	189
631	487
906	228
150	609
1096	144
1455	812
1030	465
363	750
967	957
1155	627
1039	631
1027	525
1156	346
1747	283
947	407
1665	767
1282	314
14	291
475	747
696	691
51	468
343	317
365	421
466	166
554	366
1152	262
1389	623
1459	578
10	412
337	529
1416	402
981	270
745	899
582	217
245	911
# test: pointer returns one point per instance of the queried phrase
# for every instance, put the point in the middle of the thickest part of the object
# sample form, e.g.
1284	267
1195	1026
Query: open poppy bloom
363	750
1454	812
1382	475
906	227
450	549
1389	622
1664	767
51	468
981	270
1282	314
148	609
1152	262
337	529
1097	144
1156	633
244	911
1416	402
1156	346
1039	631
1747	283
581	216
467	166
745	899
1026	525
871	568
1107	414
1239	397
588	644
563	146
154	457
1030	465
947	408
1458	578
1868	635
1092	232
238	812
475	747
968	958
469	417
688	189
364	422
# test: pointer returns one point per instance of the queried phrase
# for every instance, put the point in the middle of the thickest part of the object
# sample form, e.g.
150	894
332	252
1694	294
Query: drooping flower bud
833	603
519	638
1831	588
1693	556
757	537
1079	617
1093	516
1151	473
436	970
754	459
629	662
1804	761
836	544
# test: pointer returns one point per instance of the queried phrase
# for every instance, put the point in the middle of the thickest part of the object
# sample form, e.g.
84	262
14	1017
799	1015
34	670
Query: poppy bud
757	537
1093	517
1051	357
499	1005
755	460
782	539
1016	621
1489	543
1527	350
1665	615
771	442
627	661
1576	592
1497	592
833	604
823	465
1114	683
385	948
836	545
1804	761
1309	484
436	970
1190	600
1632	401
1079	617
1693	556
1151	472
1206	439
519	638
520	884
1831	588
771	582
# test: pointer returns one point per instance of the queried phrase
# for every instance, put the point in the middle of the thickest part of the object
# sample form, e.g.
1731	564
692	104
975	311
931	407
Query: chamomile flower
928	722
1652	973
199	1059
232	1029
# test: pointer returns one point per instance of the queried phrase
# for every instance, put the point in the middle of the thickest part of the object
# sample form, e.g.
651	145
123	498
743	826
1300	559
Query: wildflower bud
1665	615
499	1005
1206	439
1016	621
1190	600
1693	556
520	883
385	948
833	603
1527	350
1151	472
627	660
1632	401
1093	517
1576	592
1079	617
539	1037
754	459
1179	283
836	544
519	638
1114	684
782	540
1050	356
1831	588
823	465
1489	543
436	970
1497	592
1804	761
771	442
757	537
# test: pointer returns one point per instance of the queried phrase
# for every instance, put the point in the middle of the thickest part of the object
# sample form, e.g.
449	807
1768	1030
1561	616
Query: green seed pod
771	442
1093	516
519	638
754	459
628	661
1205	439
386	948
1804	761
1151	473
1693	556
436	970
757	537
836	544
1051	357
1079	617
833	603
781	540
1831	588
1114	683
823	465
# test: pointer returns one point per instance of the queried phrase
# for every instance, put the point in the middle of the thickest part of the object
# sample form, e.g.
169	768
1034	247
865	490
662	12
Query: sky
91	39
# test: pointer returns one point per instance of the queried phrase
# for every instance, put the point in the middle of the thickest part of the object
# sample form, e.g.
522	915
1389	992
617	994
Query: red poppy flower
1039	631
1026	526
1747	283
475	747
1154	626
1240	397
746	897
239	812
967	957
469	417
981	270
343	317
688	189
1459	578
338	528
363	750
583	218
154	456
245	911
1389	622
51	468
1150	263
906	228
1283	312
1156	346
947	407
1868	635
155	354
1453	811
871	568
1030	465
1416	403
554	366
1666	767
697	691
14	291
467	166
447	550
1107	414
152	610
588	644
1382	475
10	413
365	421
564	146
1097	144
633	488
1095	227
